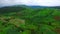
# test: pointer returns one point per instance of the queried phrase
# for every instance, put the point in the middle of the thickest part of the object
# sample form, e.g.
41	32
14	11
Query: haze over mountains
18	6
30	2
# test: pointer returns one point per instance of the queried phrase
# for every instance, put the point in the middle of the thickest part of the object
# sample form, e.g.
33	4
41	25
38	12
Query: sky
30	2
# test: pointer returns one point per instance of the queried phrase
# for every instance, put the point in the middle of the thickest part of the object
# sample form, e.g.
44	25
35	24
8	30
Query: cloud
30	2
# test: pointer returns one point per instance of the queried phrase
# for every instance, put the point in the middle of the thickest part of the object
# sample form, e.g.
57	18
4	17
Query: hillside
25	20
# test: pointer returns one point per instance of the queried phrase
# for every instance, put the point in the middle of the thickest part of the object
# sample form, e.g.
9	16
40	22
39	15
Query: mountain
58	7
33	6
15	8
37	6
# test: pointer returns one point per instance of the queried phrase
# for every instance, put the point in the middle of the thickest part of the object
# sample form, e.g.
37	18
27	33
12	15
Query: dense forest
26	20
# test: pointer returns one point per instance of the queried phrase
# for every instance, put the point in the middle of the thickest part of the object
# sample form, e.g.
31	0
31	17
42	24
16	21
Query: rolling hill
26	20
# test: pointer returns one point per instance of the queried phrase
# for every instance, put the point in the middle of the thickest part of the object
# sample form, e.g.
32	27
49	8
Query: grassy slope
29	21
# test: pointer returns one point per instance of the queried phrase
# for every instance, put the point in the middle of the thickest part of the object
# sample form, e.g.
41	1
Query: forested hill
26	20
8	9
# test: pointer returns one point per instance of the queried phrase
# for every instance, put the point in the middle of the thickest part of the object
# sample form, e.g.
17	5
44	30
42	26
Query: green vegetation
25	20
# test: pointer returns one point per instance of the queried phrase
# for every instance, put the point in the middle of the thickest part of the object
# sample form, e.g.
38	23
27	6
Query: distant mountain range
33	6
44	7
